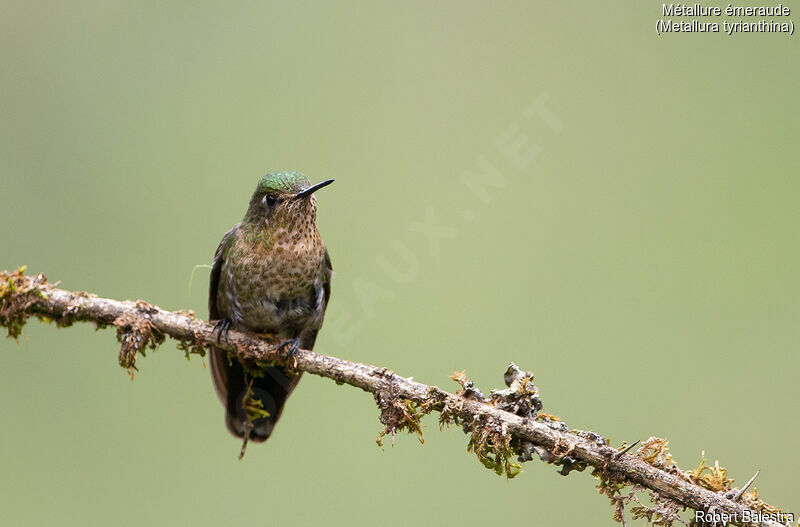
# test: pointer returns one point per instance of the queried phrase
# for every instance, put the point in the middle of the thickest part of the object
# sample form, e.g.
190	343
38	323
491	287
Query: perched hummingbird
271	275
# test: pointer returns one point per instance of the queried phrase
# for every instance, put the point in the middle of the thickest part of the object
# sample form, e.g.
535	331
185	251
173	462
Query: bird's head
284	199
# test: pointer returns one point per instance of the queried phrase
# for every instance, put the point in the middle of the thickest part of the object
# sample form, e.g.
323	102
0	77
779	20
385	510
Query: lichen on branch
505	429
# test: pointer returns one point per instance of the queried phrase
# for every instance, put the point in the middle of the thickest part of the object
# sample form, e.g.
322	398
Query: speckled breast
275	285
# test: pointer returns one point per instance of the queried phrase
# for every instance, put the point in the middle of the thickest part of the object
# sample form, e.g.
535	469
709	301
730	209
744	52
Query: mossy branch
505	425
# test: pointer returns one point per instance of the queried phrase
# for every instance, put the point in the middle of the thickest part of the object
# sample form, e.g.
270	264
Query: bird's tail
253	404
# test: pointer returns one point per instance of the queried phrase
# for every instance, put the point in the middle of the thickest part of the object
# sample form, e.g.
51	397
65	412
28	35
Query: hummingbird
271	275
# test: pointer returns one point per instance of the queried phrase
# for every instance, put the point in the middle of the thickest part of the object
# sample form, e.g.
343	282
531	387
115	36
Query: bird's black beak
313	188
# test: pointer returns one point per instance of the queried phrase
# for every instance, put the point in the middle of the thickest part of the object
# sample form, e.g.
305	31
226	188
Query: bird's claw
293	345
221	328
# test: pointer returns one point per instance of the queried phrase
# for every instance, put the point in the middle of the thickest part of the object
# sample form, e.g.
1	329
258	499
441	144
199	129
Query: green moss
135	335
655	451
402	415
713	478
253	408
17	293
491	443
190	348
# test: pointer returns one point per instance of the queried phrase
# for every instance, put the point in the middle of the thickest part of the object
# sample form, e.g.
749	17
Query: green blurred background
644	264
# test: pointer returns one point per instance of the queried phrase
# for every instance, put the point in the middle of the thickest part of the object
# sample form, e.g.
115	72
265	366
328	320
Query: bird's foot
292	346
221	328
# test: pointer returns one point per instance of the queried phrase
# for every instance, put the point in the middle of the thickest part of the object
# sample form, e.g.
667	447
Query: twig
626	449
746	486
142	325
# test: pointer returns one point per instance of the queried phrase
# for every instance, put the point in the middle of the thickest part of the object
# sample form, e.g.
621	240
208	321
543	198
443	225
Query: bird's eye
270	200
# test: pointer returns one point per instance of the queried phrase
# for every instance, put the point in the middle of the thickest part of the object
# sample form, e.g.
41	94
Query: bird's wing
326	284
216	267
218	359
